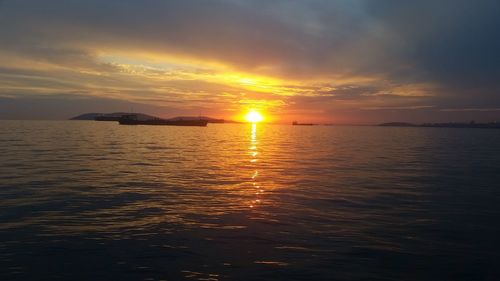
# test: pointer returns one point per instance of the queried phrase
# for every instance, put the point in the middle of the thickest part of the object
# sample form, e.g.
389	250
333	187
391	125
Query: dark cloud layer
436	58
455	43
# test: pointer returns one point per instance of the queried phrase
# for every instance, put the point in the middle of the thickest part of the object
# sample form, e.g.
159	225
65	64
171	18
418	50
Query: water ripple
243	202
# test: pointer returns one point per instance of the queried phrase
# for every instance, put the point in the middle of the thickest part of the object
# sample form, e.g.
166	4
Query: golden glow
254	117
254	160
218	89
250	82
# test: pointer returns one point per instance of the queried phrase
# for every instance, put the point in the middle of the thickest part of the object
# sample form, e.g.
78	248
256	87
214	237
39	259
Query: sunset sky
349	61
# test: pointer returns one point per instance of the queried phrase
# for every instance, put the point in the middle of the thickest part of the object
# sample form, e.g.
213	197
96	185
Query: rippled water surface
97	201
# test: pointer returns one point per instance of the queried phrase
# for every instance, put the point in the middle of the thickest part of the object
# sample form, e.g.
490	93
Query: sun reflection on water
253	152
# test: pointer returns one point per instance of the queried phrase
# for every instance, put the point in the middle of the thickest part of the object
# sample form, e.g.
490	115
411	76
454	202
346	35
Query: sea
85	200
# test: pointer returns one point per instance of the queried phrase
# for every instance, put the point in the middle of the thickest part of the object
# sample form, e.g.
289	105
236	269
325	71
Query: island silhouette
471	124
116	116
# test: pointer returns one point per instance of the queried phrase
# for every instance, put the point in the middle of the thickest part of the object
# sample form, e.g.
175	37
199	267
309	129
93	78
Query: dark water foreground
98	201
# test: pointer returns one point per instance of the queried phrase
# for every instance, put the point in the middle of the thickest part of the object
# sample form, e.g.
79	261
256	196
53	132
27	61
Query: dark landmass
86	116
209	119
397	124
110	116
141	116
472	124
295	123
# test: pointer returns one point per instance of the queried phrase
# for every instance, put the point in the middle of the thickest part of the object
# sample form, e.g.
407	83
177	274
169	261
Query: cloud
310	56
398	107
290	39
454	43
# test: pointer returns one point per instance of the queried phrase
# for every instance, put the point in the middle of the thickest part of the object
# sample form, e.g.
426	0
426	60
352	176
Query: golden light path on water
244	201
253	151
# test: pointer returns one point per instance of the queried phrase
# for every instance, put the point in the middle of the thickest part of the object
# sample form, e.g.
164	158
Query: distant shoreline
107	117
472	124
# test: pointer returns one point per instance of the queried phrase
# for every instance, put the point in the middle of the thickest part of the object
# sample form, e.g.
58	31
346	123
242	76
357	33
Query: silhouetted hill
110	116
397	124
141	116
472	124
85	116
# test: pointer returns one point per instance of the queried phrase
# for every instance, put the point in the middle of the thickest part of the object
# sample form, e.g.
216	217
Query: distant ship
107	118
112	116
133	120
295	123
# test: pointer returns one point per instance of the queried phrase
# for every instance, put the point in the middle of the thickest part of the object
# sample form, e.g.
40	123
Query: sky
329	61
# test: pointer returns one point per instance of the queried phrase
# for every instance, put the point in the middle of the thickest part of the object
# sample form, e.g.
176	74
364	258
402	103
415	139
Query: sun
254	117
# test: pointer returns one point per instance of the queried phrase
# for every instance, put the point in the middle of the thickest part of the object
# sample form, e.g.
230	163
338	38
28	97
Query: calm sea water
97	201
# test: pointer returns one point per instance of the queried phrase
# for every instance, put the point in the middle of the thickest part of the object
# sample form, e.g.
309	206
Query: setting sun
254	117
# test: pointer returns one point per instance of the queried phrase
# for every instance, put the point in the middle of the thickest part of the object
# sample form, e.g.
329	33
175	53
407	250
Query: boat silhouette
132	119
295	123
